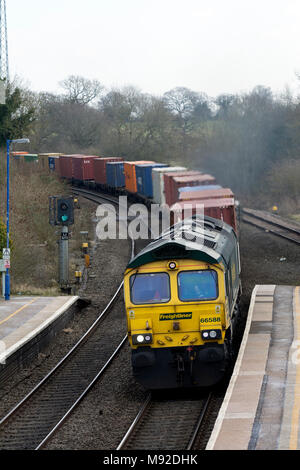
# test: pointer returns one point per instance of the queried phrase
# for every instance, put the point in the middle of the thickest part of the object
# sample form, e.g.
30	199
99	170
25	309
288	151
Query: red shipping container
181	181
168	181
83	167
100	168
208	194
221	209
66	165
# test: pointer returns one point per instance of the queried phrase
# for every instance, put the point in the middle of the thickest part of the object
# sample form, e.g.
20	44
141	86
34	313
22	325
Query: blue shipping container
115	176
144	178
199	188
51	161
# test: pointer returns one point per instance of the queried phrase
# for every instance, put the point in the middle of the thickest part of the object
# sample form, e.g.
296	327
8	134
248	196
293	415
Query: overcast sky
214	46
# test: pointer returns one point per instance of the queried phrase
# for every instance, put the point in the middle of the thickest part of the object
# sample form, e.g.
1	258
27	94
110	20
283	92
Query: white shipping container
158	182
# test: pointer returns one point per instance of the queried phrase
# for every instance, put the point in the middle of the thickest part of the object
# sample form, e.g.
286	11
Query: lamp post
8	143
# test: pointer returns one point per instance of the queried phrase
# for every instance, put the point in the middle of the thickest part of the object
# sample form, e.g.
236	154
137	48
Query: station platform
261	409
27	323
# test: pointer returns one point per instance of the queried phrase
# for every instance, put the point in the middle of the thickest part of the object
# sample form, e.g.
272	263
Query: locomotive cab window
150	288
197	285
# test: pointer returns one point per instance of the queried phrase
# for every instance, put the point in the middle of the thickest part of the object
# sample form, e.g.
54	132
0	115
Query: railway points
261	408
27	325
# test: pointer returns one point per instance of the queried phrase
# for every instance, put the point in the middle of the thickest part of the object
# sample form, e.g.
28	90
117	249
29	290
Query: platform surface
261	409
22	318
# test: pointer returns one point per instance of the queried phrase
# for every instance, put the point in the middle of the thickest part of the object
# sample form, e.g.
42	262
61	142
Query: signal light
65	211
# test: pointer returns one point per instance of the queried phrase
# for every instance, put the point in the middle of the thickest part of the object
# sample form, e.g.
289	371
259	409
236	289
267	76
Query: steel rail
135	422
267	226
84	393
195	427
95	198
87	193
200	421
279	224
64	360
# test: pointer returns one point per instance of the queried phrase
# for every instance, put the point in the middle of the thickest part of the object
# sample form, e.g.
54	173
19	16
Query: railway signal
61	212
65	211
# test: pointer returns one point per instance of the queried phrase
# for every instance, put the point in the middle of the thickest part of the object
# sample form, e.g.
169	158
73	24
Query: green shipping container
31	158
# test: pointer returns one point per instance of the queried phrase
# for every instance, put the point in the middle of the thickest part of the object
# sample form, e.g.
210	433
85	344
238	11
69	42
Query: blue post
7	275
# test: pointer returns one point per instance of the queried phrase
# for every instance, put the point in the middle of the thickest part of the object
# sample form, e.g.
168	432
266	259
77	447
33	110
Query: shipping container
66	165
115	177
200	188
47	159
31	157
158	182
222	209
144	178
209	194
53	163
180	181
47	155
83	167
168	177
57	166
100	168
130	175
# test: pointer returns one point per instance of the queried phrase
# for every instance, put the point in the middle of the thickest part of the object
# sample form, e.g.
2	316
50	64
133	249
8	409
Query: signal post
61	213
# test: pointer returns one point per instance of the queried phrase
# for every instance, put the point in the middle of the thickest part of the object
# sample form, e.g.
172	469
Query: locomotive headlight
212	334
142	339
172	265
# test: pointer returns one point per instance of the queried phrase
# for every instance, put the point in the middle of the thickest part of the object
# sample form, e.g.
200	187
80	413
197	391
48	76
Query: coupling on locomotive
181	297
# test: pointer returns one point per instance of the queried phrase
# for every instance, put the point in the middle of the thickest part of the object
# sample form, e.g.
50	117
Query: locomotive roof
211	241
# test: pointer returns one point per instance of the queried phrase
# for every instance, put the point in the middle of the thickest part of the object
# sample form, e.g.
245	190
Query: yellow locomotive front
179	318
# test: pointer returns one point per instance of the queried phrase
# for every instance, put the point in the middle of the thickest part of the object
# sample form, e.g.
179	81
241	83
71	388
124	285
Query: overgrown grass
34	263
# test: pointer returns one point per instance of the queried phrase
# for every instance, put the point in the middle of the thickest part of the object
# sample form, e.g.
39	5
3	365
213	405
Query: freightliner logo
175	316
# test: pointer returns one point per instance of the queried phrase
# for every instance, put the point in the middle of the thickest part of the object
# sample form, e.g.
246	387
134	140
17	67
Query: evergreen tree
16	115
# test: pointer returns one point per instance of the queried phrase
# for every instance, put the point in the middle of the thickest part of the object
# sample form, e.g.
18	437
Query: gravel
108	261
103	417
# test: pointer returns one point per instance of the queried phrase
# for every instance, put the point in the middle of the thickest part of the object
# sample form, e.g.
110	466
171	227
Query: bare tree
182	102
81	90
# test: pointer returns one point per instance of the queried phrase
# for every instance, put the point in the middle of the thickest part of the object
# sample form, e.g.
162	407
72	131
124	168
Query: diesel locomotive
181	295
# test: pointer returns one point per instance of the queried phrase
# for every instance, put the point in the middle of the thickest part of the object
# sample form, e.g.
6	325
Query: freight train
182	291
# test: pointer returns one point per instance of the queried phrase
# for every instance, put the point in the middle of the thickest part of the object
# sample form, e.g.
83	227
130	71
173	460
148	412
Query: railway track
272	224
166	424
35	419
95	196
